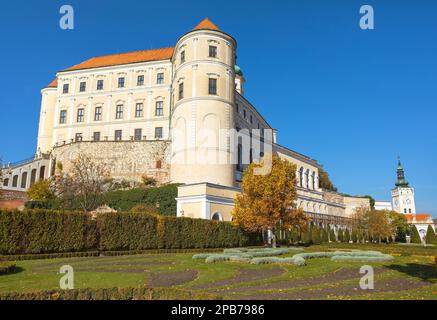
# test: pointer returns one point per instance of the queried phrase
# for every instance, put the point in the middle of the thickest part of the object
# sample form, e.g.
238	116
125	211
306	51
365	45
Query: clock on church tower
403	195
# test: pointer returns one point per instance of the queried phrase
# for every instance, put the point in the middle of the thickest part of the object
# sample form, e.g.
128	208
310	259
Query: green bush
415	237
332	237
7	267
44	231
112	294
162	198
347	236
430	236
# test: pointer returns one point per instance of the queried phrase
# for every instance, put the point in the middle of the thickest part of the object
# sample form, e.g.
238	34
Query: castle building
403	202
176	114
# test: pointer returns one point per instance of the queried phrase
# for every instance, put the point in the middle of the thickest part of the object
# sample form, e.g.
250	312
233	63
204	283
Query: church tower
203	106
403	194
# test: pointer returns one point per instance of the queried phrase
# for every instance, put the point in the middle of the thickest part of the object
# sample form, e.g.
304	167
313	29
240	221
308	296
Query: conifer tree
347	236
332	235
415	237
431	238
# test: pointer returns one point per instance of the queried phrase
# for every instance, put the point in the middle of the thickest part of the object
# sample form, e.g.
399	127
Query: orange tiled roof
125	58
206	25
53	84
419	217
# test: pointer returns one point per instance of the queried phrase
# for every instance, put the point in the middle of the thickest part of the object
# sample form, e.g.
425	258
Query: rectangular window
96	136
63	117
119	112
158	133
118	134
181	90
78	137
213	51
182	56
160	78
80	114
212	88
139	110
140	80
244	113
251	119
99	84
121	82
138	134
98	114
159	110
65	88
82	87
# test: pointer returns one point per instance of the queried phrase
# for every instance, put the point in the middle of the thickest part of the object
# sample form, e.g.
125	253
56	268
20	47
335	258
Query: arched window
313	180
42	172
217	217
307	178
15	181
24	180
301	177
32	176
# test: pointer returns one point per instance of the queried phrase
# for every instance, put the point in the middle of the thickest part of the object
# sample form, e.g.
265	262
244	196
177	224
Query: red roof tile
206	25
53	84
419	217
124	58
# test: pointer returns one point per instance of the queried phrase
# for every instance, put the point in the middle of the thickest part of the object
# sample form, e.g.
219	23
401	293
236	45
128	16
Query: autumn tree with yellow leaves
268	202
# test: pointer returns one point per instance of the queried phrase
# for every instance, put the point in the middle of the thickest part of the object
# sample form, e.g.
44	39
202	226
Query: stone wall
128	160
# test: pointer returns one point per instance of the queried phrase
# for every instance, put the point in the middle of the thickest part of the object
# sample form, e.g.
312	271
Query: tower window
80	114
138	134
63	117
121	82
119	112
82	87
140	80
159	111
160	78
213	51
118	134
139	110
212	87
182	56
158	133
181	90
98	114
99	84
65	88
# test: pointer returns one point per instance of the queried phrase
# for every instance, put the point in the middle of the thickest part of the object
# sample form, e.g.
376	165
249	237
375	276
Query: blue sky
352	99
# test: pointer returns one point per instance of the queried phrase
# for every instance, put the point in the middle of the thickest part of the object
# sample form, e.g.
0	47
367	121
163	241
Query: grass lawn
412	275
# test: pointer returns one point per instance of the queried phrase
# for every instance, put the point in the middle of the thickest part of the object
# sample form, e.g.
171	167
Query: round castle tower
203	101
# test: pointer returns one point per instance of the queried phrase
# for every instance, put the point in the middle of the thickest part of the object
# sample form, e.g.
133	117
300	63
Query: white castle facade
176	114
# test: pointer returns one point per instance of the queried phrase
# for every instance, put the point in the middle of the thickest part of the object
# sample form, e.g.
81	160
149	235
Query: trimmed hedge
112	294
122	200
133	231
45	231
7	267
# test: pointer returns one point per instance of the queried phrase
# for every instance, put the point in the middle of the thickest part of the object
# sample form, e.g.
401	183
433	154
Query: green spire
401	182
